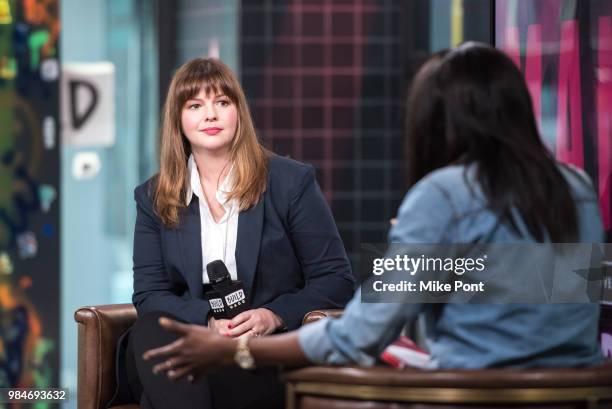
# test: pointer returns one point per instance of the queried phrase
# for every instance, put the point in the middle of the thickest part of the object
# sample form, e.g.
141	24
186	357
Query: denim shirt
447	206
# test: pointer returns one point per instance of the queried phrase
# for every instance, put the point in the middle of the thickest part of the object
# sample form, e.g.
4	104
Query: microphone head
217	272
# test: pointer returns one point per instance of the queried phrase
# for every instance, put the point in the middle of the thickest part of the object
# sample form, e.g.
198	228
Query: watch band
243	356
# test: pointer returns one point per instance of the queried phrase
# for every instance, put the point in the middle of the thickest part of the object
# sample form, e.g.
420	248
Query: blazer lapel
190	245
250	226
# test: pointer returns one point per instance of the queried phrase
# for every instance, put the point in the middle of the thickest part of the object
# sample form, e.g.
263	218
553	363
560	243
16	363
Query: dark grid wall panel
325	84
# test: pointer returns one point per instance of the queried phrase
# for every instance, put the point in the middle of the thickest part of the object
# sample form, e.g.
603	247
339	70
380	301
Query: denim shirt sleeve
365	329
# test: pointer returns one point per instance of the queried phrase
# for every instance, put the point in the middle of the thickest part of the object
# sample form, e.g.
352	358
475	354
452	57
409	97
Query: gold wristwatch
243	356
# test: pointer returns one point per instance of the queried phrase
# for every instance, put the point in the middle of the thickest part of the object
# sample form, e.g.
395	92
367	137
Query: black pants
228	388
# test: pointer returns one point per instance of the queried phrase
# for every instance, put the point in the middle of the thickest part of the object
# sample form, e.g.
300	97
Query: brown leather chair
99	329
388	388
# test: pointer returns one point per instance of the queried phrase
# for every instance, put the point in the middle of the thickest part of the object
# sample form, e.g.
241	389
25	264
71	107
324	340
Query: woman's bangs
213	83
219	85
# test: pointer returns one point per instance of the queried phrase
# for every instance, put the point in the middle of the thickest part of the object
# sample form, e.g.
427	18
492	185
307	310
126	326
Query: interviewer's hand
199	350
257	322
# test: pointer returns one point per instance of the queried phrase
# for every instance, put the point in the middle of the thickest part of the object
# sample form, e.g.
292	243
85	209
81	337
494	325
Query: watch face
245	360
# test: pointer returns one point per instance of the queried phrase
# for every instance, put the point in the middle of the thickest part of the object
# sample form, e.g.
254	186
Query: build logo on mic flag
235	299
216	304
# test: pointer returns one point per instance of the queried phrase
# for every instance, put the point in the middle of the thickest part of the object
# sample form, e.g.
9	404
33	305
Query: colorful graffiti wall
29	178
564	48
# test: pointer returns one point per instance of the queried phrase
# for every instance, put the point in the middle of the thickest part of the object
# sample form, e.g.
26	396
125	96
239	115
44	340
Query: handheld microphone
226	298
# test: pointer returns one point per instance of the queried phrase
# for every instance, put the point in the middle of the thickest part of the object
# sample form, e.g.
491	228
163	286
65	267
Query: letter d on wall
88	104
78	119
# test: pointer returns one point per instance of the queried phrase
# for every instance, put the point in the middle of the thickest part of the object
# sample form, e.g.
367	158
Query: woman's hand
220	326
199	350
257	322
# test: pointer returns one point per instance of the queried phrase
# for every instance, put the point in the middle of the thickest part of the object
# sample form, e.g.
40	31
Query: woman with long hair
479	173
220	196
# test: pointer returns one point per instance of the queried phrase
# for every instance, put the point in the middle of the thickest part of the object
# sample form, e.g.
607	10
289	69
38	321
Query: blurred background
82	83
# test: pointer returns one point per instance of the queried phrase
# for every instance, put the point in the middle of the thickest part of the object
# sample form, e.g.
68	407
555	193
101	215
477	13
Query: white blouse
218	239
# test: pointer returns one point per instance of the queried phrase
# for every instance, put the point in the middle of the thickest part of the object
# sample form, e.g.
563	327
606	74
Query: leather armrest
482	378
99	328
316	315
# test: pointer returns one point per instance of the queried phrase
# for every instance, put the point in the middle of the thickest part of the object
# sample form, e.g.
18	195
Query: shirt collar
195	186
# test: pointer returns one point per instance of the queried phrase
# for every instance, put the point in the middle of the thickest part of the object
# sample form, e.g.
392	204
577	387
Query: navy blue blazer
289	254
